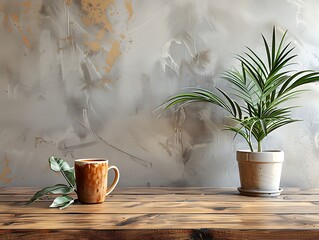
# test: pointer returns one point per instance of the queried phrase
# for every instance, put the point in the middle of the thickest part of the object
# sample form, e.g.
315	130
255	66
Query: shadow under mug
91	179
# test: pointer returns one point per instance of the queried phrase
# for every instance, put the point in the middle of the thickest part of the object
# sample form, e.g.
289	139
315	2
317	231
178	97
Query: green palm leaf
261	86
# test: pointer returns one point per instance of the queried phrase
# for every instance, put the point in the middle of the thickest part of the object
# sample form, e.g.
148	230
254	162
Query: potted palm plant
255	108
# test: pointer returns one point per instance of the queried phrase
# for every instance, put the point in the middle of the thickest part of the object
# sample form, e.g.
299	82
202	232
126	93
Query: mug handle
115	181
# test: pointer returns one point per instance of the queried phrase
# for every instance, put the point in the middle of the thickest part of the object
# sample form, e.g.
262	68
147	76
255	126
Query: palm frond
262	86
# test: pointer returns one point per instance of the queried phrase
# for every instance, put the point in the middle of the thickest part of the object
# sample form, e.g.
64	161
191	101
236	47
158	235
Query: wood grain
167	207
146	234
159	221
174	198
163	213
168	190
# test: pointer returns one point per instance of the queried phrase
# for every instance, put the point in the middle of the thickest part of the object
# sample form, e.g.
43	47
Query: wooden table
164	213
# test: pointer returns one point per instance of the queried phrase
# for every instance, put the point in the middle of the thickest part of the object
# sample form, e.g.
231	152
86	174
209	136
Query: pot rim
264	151
269	156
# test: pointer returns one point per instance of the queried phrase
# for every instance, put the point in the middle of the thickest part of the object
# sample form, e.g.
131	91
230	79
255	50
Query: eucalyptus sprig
58	165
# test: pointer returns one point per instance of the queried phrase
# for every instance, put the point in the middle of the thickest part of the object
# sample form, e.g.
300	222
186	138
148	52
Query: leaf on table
63	190
56	189
62	202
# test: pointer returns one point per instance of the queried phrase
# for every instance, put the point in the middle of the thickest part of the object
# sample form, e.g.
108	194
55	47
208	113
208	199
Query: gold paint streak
100	35
129	8
12	19
27	4
6	23
122	36
29	30
87	21
5	172
68	2
107	81
96	10
26	41
114	53
15	18
93	46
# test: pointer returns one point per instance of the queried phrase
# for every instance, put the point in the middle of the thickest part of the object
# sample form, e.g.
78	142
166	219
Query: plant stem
259	146
250	146
68	181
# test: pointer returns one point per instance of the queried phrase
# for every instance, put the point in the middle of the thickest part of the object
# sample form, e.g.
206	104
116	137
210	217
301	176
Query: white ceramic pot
260	172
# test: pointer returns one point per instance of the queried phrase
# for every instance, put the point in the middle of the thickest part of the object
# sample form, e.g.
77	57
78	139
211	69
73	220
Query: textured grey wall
81	79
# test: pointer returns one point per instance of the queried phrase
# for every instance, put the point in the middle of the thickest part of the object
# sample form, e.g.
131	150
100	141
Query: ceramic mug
91	179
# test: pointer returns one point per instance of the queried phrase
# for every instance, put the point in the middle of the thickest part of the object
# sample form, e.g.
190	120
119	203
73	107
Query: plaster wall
82	78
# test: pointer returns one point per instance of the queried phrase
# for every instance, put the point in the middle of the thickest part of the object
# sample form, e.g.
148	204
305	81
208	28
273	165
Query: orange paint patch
93	46
96	10
100	35
129	8
114	53
15	18
5	172
107	81
26	41
68	2
6	23
87	21
27	4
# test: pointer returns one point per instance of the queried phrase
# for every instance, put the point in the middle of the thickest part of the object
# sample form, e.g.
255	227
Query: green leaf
280	44
62	202
63	190
57	164
231	102
262	85
263	126
273	45
70	175
58	188
268	52
240	115
258	61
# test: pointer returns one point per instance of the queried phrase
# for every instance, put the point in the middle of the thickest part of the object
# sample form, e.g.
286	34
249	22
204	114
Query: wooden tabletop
164	213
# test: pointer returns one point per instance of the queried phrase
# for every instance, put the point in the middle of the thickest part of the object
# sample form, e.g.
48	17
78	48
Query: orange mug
91	179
